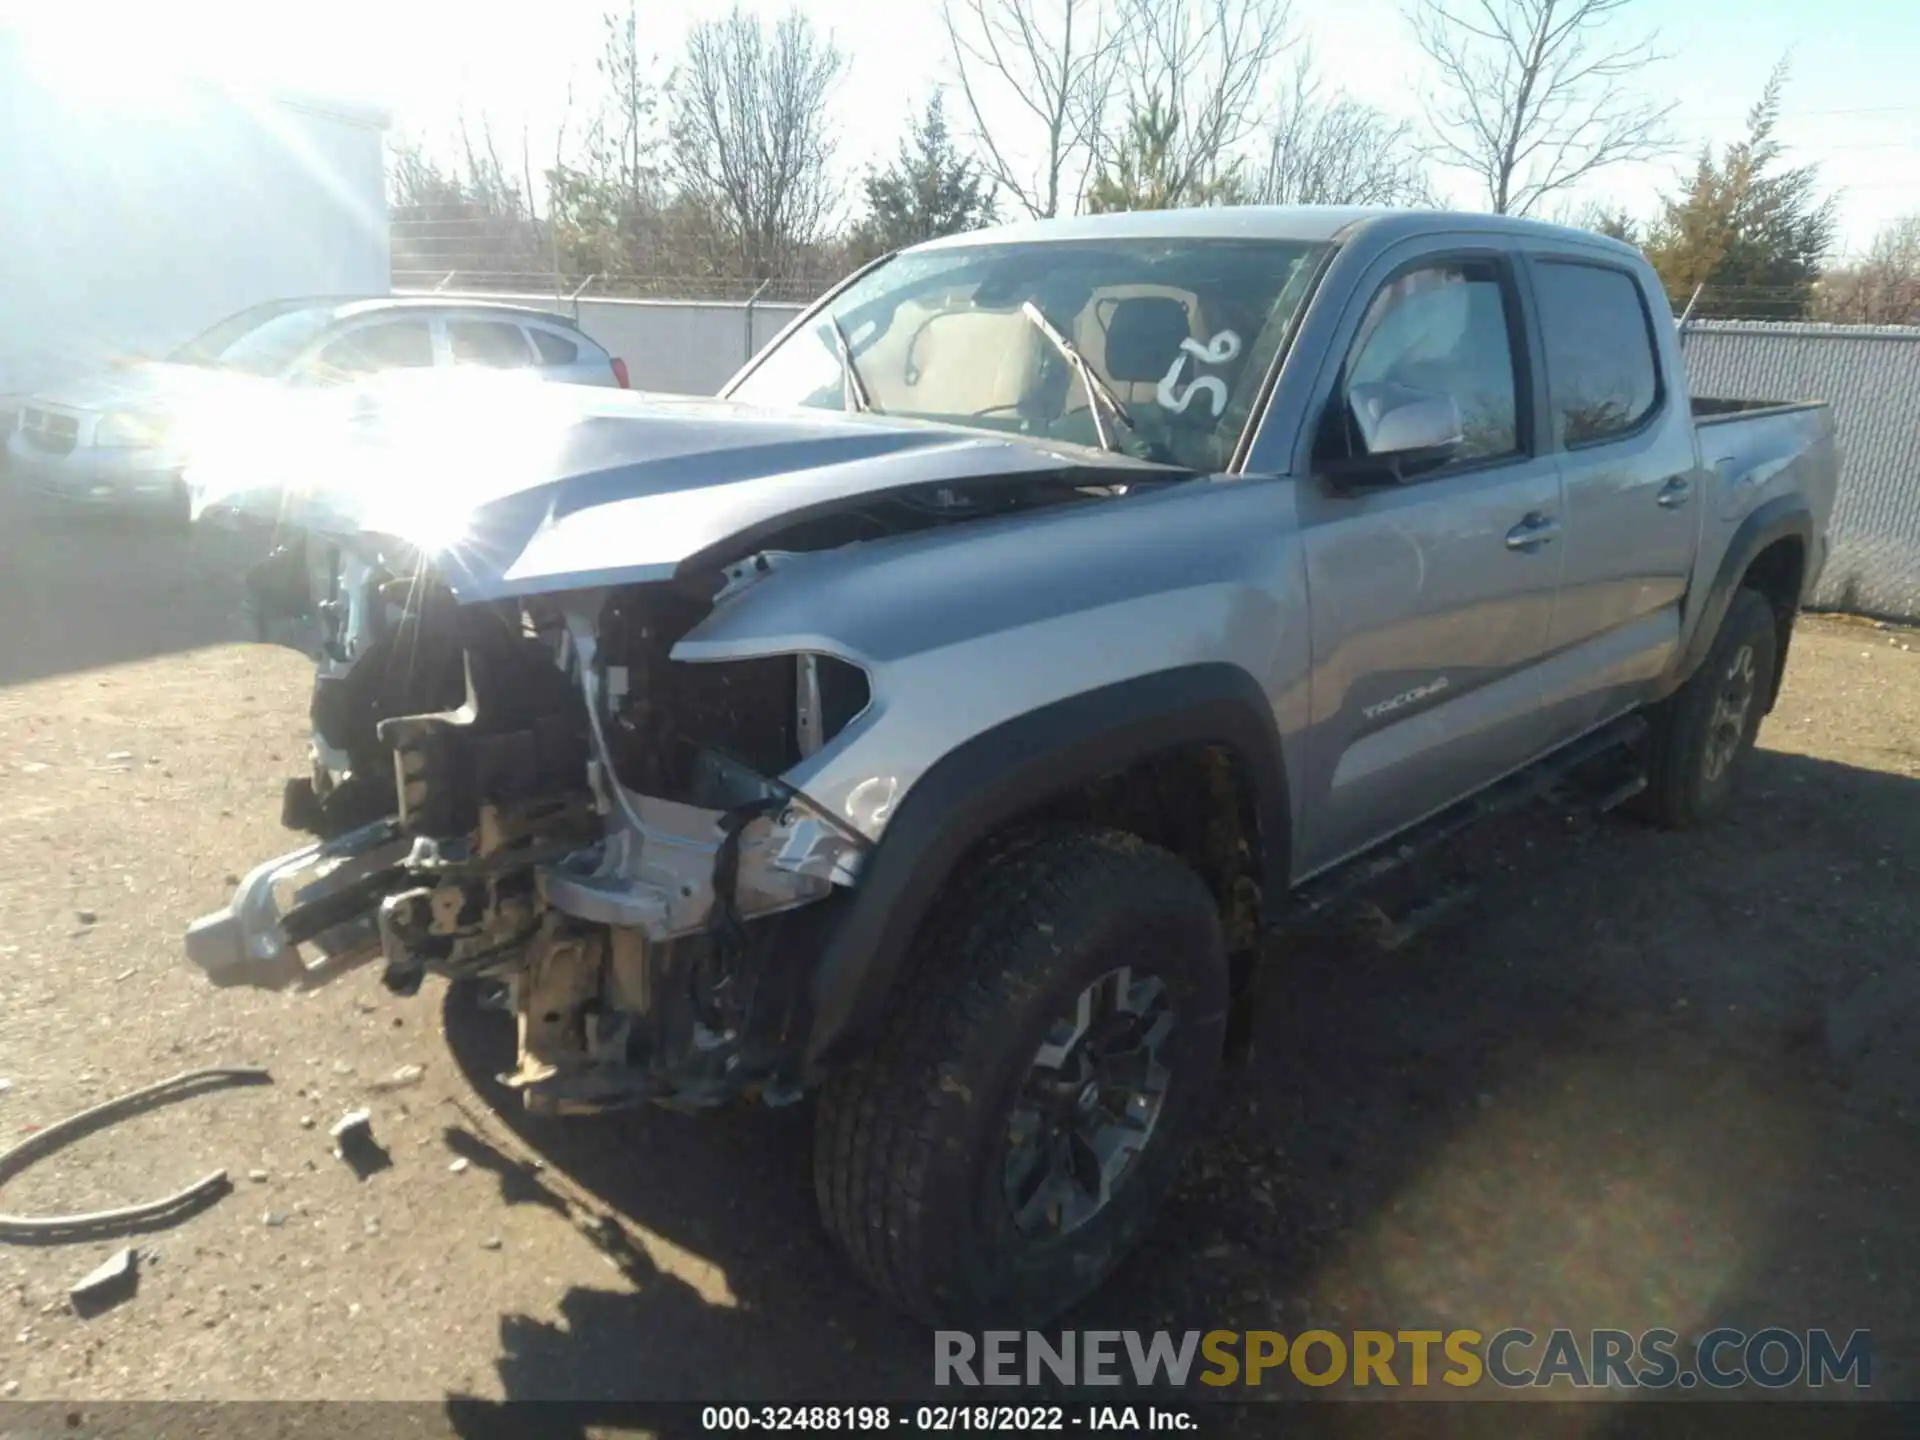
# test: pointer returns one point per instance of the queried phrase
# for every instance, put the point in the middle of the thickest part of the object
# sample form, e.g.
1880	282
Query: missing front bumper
662	961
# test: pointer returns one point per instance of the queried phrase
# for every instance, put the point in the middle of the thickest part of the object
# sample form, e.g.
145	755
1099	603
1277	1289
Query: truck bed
1710	410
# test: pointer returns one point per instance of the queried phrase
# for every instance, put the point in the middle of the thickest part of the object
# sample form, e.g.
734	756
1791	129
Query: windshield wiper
1097	389
853	390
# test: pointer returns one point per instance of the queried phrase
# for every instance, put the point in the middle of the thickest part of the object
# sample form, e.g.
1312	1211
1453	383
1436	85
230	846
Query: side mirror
1403	431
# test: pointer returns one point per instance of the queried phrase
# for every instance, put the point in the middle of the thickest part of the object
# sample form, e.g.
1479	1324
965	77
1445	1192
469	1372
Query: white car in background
120	441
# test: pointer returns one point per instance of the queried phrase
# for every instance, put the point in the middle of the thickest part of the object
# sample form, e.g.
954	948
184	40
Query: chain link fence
1871	377
459	249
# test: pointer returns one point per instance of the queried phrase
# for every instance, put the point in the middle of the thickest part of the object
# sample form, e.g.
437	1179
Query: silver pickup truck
947	716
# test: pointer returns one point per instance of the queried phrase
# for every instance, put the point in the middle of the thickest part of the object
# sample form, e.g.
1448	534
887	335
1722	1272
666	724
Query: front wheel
1016	1127
1702	733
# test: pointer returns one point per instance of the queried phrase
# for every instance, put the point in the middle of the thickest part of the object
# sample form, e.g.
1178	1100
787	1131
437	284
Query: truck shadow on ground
85	591
1644	1080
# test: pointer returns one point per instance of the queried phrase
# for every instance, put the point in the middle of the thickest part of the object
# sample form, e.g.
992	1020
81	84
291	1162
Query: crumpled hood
513	488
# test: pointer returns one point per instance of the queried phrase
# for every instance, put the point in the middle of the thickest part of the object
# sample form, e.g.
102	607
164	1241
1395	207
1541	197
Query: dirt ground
1645	1079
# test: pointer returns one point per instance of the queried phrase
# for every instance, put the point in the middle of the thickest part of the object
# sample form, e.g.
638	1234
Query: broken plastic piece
405	1076
107	1284
354	1143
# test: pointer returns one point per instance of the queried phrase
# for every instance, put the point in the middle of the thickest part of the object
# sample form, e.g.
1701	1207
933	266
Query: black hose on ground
128	1218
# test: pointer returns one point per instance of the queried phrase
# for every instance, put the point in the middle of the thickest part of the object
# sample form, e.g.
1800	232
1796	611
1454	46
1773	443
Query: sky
1851	105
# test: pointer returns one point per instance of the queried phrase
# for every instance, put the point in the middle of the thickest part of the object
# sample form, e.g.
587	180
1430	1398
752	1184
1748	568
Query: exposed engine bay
533	794
619	863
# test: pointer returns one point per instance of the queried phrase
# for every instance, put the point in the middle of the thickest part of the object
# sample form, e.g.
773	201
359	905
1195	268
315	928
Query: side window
1444	328
1601	370
554	349
390	345
492	343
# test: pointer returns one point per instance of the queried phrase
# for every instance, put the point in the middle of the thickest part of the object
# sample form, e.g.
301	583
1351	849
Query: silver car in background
120	441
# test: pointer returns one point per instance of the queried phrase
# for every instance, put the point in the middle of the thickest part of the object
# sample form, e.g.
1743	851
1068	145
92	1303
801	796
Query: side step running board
1542	780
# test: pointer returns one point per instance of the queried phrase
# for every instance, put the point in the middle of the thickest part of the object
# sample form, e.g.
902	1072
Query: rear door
1431	600
368	347
1627	455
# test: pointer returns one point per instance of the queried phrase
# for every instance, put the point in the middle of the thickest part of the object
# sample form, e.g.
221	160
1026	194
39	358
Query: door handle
1532	532
1675	493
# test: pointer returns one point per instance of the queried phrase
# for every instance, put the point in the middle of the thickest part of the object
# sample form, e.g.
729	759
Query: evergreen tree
1615	223
930	190
1144	173
1753	233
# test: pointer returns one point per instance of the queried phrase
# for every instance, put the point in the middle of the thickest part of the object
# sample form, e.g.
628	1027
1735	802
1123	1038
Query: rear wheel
1702	733
1016	1127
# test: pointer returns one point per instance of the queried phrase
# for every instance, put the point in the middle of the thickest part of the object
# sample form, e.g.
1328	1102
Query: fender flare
1005	772
1781	518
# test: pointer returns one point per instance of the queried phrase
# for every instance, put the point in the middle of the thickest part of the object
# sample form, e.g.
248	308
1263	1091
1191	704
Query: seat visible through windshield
1182	331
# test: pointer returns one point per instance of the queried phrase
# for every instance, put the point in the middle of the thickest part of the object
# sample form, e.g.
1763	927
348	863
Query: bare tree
1195	71
623	144
416	179
752	142
1534	96
1603	217
1882	288
1326	148
1043	69
488	183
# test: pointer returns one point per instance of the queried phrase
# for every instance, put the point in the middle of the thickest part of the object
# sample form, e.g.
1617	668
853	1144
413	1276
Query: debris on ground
258	1177
165	1210
107	1284
354	1143
87	917
459	1166
492	1242
402	1078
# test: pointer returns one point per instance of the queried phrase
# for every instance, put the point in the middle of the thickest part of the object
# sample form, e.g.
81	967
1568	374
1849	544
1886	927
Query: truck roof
1312	223
348	306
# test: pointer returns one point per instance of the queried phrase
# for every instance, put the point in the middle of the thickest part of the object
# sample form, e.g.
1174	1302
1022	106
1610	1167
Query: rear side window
1445	328
1601	369
391	345
554	349
488	342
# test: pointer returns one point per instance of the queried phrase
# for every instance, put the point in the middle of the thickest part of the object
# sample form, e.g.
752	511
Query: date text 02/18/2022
937	1419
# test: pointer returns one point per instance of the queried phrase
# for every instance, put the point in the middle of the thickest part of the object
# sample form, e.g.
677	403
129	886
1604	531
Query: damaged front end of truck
520	777
563	809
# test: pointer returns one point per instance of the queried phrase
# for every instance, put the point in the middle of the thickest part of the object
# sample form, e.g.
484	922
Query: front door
1431	600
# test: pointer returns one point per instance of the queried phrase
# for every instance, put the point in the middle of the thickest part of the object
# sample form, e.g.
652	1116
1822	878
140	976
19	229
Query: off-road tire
909	1157
1682	788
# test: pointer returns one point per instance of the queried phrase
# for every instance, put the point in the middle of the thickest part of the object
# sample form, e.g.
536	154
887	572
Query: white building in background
137	208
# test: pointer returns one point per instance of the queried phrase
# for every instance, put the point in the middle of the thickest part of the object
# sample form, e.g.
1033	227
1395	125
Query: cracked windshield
1155	348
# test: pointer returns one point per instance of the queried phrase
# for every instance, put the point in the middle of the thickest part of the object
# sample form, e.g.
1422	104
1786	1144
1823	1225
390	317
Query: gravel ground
1643	1079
